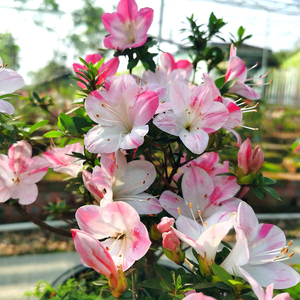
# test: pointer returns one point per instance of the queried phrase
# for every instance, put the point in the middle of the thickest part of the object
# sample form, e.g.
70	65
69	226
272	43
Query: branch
21	209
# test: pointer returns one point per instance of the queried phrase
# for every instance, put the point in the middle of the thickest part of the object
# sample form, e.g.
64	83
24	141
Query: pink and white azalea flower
237	69
167	60
209	162
202	192
19	172
60	161
94	255
128	26
235	112
204	238
260	293
123	181
267	247
164	76
194	115
106	69
127	238
10	81
122	111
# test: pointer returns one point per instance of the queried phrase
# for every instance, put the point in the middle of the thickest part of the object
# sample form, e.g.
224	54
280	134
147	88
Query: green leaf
68	123
223	286
53	134
165	275
268	181
228	85
258	192
220	81
221	273
8	127
203	285
38	125
241	32
152	283
165	296
81	124
84	62
271	192
132	63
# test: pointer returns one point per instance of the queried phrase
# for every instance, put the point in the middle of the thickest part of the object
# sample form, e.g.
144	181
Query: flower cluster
142	152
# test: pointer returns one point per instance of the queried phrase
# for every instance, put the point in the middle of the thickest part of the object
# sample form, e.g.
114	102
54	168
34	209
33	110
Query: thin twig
21	209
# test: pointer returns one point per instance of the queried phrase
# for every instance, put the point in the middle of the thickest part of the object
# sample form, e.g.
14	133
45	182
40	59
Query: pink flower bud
249	162
91	186
94	255
165	224
170	241
257	160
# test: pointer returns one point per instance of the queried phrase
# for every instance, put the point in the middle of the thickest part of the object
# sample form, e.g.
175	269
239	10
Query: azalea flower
235	112
202	192
106	69
126	237
259	292
266	244
122	111
123	181
128	26
194	115
237	69
19	172
10	81
59	159
164	75
167	60
94	255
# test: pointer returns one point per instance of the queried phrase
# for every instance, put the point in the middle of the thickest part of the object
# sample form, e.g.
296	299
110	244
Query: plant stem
134	295
21	209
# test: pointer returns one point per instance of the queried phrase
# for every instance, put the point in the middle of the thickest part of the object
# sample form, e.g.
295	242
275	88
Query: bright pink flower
60	160
128	26
249	162
123	181
122	111
126	236
235	113
165	224
202	192
10	81
237	69
106	70
167	60
19	173
194	115
94	255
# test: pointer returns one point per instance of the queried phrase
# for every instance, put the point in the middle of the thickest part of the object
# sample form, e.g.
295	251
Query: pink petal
144	108
245	156
94	255
236	69
10	81
128	10
244	90
26	193
215	118
6	107
93	58
195	140
108	69
179	97
247	220
186	66
282	275
167	60
135	138
208	81
168	122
